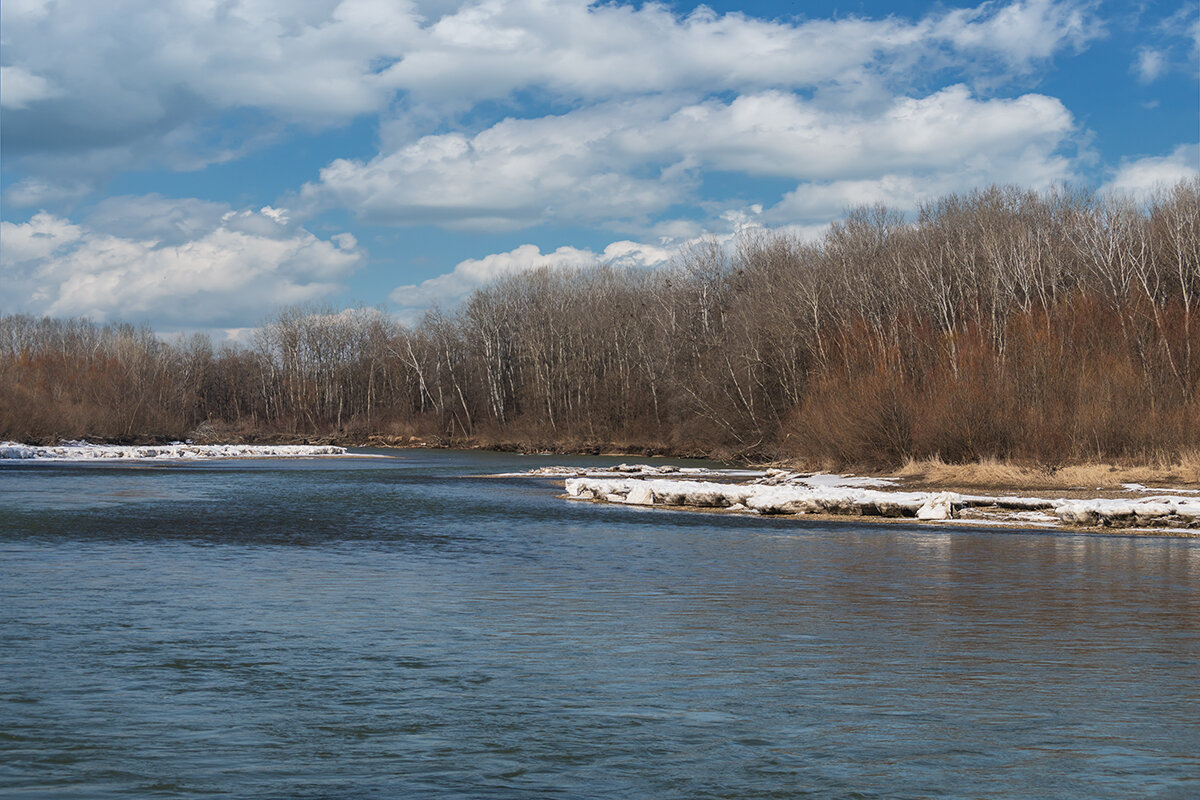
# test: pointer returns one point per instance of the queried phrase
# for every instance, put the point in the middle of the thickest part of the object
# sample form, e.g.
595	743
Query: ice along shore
1140	509
175	451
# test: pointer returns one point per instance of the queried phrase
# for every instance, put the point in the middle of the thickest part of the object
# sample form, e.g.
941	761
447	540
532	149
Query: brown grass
993	473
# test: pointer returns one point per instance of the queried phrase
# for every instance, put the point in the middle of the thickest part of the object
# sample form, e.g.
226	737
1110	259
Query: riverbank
1132	508
209	435
1159	498
992	474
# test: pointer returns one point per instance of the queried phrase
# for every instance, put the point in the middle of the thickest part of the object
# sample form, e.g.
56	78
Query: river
400	627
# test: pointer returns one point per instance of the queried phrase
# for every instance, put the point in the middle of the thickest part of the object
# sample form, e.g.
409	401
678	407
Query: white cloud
96	89
827	200
594	51
1031	162
36	239
185	263
106	75
41	192
293	58
1140	178
621	163
1150	64
1023	32
19	87
450	288
781	135
515	174
1174	46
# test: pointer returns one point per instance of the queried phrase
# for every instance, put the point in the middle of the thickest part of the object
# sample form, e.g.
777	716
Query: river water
400	628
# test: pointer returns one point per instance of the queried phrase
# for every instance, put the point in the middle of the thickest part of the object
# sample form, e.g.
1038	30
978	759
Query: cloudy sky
196	164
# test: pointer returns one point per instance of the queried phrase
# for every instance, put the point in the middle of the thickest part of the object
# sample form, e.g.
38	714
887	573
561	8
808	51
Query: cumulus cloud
621	163
177	263
585	50
20	87
781	135
35	240
450	288
131	64
86	75
517	173
1023	32
1029	158
1141	177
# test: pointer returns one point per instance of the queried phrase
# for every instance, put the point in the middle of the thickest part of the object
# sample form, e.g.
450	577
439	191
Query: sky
197	165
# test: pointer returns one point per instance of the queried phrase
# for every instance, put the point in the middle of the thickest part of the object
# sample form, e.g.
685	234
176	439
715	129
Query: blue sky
197	164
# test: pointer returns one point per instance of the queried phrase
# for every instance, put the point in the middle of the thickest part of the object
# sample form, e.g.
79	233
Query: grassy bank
994	474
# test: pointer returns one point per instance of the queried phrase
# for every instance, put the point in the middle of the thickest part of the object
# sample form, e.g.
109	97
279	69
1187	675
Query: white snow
940	506
765	499
821	479
634	470
779	491
641	495
176	451
792	493
1137	487
1157	511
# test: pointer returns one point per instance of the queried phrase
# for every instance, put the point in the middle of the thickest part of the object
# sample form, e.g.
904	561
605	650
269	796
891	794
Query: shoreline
993	526
1134	509
928	474
913	493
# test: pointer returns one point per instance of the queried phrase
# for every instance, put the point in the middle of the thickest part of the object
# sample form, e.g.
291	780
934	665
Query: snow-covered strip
766	477
1146	512
777	477
1137	487
768	499
802	498
634	470
176	451
1007	522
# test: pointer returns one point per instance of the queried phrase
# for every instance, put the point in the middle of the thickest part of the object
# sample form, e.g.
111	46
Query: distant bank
1002	326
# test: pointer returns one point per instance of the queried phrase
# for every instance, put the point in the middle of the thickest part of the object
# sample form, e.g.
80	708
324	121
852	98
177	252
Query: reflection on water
384	629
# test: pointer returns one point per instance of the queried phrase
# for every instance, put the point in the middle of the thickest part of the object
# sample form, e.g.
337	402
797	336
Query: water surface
399	628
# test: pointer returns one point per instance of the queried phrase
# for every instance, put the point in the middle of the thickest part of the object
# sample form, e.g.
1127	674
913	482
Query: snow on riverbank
1146	512
176	451
779	492
797	498
637	471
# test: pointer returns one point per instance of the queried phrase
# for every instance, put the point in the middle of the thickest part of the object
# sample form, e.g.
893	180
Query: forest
1051	328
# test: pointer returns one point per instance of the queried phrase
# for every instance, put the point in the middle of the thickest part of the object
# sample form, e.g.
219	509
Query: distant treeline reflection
1052	327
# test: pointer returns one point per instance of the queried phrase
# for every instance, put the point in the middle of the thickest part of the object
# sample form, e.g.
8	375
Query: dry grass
1182	471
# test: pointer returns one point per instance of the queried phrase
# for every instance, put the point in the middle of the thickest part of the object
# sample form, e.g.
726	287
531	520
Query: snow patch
634	470
641	495
176	451
776	491
1137	487
1147	512
939	506
796	495
764	499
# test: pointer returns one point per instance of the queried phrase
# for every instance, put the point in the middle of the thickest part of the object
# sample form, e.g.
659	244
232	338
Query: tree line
1048	327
